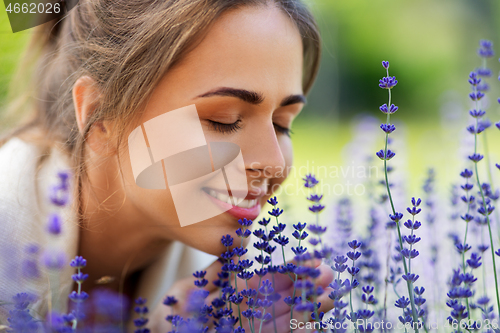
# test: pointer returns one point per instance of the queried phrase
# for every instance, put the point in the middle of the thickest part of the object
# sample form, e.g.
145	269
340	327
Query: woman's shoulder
24	169
27	172
18	160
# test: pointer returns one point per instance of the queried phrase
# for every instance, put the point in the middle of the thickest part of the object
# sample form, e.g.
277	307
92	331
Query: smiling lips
242	208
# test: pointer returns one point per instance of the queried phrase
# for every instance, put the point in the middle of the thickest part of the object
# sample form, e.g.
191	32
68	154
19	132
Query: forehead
257	48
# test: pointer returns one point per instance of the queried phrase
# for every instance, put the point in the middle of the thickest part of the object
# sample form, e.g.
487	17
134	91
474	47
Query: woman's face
245	79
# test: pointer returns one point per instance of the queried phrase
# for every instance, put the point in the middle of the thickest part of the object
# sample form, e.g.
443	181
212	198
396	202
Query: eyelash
225	128
231	128
283	130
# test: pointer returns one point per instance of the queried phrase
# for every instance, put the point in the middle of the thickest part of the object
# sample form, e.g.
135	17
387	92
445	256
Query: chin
206	236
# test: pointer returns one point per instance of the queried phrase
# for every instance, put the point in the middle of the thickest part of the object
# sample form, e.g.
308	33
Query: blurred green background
431	46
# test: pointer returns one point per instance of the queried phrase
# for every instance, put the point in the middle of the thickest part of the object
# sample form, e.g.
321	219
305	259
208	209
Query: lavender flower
54	224
388	110
142	310
78	296
53	260
388	83
111	308
20	318
59	194
485	49
310	181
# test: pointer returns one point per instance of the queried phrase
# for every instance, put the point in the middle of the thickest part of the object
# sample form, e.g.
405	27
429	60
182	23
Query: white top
24	209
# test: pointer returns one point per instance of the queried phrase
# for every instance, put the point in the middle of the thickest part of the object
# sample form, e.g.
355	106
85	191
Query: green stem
408	283
491	242
484	266
463	265
465	242
236	293
490	179
487	215
350	299
294	289
262	320
252	329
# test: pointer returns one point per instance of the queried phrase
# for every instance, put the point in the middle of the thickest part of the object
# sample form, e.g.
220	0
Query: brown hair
126	47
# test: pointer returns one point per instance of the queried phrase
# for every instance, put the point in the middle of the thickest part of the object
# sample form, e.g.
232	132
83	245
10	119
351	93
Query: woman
107	68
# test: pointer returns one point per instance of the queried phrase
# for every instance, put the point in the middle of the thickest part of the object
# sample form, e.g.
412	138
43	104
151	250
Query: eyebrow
251	97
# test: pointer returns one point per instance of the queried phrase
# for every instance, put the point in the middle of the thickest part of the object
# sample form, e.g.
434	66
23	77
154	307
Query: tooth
245	204
223	198
213	193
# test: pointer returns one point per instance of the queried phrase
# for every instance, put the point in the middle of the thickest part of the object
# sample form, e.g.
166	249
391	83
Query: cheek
156	204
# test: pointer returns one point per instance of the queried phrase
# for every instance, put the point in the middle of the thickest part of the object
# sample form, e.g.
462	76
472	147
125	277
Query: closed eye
283	130
234	127
225	128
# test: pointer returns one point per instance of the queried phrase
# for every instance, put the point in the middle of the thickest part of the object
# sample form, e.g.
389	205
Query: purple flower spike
310	181
477	113
466	173
169	301
64	178
390	154
58	196
388	110
22	300
403	302
276	212
410	277
476	96
485	72
78	262
473	79
227	240
273	201
315	198
53	260
498	124
476	157
388	82
485	49
498	166
77	298
140	301
388	128
354	244
473	130
245	222
385	64
316	208
79	277
267	288
54	225
397	217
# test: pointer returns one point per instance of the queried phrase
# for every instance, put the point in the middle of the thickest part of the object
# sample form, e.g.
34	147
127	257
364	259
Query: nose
262	153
